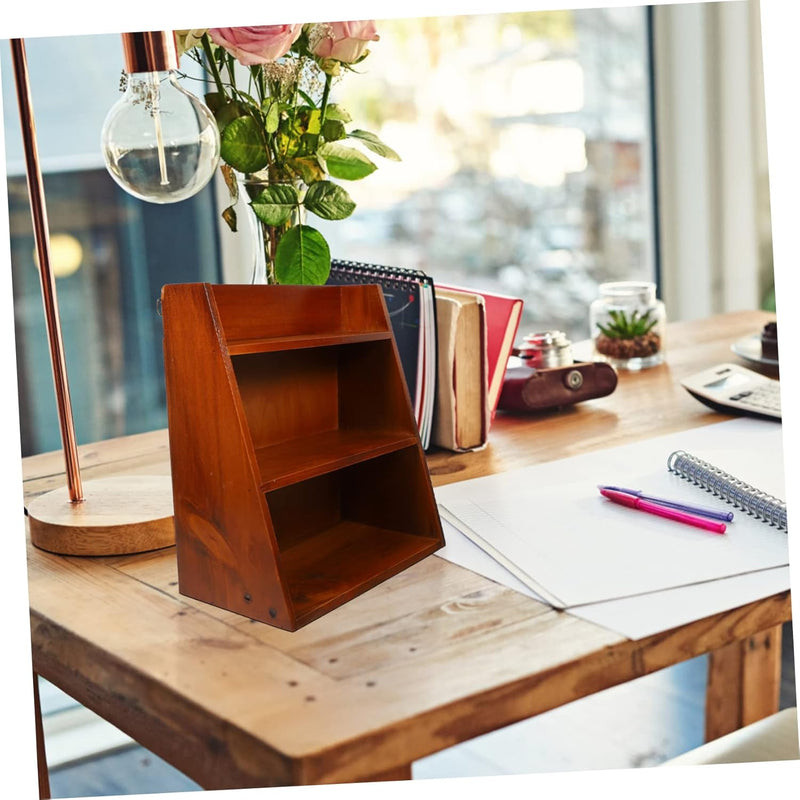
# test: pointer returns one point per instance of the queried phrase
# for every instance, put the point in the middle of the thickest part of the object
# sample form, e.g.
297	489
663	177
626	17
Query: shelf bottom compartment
343	532
344	561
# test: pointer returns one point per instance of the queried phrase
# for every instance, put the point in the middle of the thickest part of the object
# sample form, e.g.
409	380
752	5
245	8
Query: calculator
736	390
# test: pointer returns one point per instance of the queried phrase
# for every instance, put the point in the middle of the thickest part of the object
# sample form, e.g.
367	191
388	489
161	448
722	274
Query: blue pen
705	512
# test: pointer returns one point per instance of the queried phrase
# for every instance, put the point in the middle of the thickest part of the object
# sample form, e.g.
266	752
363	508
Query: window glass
525	145
111	252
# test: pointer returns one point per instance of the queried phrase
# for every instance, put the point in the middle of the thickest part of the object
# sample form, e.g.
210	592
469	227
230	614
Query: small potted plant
627	325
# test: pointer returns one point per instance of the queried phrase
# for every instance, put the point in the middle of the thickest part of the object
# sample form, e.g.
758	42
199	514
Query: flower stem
212	64
324	102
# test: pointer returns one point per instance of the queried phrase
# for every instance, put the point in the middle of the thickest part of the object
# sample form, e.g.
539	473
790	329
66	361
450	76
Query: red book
503	314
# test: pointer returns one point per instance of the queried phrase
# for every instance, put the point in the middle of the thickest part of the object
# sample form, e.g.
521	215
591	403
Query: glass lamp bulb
160	143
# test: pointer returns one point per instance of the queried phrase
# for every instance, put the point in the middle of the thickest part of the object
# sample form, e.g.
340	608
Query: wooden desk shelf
298	476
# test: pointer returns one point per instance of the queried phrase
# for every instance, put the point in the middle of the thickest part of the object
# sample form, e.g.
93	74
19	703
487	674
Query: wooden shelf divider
266	345
309	456
299	480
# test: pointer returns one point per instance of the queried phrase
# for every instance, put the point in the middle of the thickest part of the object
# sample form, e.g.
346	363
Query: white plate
749	348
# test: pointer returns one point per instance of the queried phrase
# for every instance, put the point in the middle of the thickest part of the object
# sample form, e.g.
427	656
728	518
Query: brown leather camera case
528	389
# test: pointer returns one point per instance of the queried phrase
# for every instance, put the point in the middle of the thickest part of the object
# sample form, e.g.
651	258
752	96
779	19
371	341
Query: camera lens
546	349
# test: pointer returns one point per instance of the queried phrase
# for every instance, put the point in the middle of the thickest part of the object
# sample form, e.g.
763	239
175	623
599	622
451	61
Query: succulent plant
623	327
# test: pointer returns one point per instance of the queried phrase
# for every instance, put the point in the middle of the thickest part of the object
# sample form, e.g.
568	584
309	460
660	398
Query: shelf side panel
225	547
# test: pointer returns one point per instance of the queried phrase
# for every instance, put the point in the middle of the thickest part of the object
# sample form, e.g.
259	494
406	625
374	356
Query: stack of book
476	332
454	344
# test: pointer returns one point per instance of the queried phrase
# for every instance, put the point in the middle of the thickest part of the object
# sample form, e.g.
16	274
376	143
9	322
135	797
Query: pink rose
346	41
258	44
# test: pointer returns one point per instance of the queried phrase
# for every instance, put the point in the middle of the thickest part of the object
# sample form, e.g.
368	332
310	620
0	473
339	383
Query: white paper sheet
634	617
550	524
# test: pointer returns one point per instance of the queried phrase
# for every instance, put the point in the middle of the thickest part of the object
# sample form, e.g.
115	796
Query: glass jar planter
627	324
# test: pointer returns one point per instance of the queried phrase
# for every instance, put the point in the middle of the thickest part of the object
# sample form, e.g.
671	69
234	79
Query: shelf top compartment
264	318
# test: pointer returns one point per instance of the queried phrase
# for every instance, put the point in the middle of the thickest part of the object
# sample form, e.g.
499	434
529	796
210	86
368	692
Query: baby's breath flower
312	81
318	33
282	74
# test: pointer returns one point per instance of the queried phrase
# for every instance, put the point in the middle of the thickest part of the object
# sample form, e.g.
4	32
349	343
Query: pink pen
632	501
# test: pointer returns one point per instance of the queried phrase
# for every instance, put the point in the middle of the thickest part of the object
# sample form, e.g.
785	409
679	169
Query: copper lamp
130	514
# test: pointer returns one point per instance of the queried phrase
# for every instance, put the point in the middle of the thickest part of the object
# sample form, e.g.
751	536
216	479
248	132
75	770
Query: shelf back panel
372	389
387	492
288	394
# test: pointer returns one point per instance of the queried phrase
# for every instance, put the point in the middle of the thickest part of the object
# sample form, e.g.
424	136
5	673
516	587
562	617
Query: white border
50	19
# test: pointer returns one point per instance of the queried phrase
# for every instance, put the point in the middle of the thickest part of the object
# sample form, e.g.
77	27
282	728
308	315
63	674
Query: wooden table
430	658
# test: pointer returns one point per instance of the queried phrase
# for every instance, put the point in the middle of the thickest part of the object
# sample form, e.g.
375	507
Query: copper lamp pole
115	515
48	281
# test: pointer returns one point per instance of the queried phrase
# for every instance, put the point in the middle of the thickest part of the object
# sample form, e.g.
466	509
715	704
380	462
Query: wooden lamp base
118	516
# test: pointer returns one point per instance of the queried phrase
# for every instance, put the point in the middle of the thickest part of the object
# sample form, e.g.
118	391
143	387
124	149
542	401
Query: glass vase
627	325
264	238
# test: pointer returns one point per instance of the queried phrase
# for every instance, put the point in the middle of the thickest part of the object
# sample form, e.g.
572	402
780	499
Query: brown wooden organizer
299	480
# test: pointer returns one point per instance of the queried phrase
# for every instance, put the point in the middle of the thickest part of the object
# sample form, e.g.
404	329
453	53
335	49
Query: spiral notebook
721	484
549	527
409	297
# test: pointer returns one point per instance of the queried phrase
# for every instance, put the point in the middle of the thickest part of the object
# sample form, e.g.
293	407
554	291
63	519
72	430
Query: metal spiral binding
389	277
398	276
725	486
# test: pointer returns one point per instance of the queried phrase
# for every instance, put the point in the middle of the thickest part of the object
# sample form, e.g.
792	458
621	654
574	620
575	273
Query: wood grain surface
118	516
434	656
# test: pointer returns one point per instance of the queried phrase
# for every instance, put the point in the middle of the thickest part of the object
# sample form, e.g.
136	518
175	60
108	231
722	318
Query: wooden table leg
41	760
743	682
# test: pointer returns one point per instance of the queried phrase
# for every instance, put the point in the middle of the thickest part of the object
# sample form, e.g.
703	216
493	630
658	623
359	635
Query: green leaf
302	257
215	100
248	98
605	331
274	205
372	142
314	117
306	97
345	162
224	109
333	130
308	168
328	200
243	145
272	116
335	111
624	327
